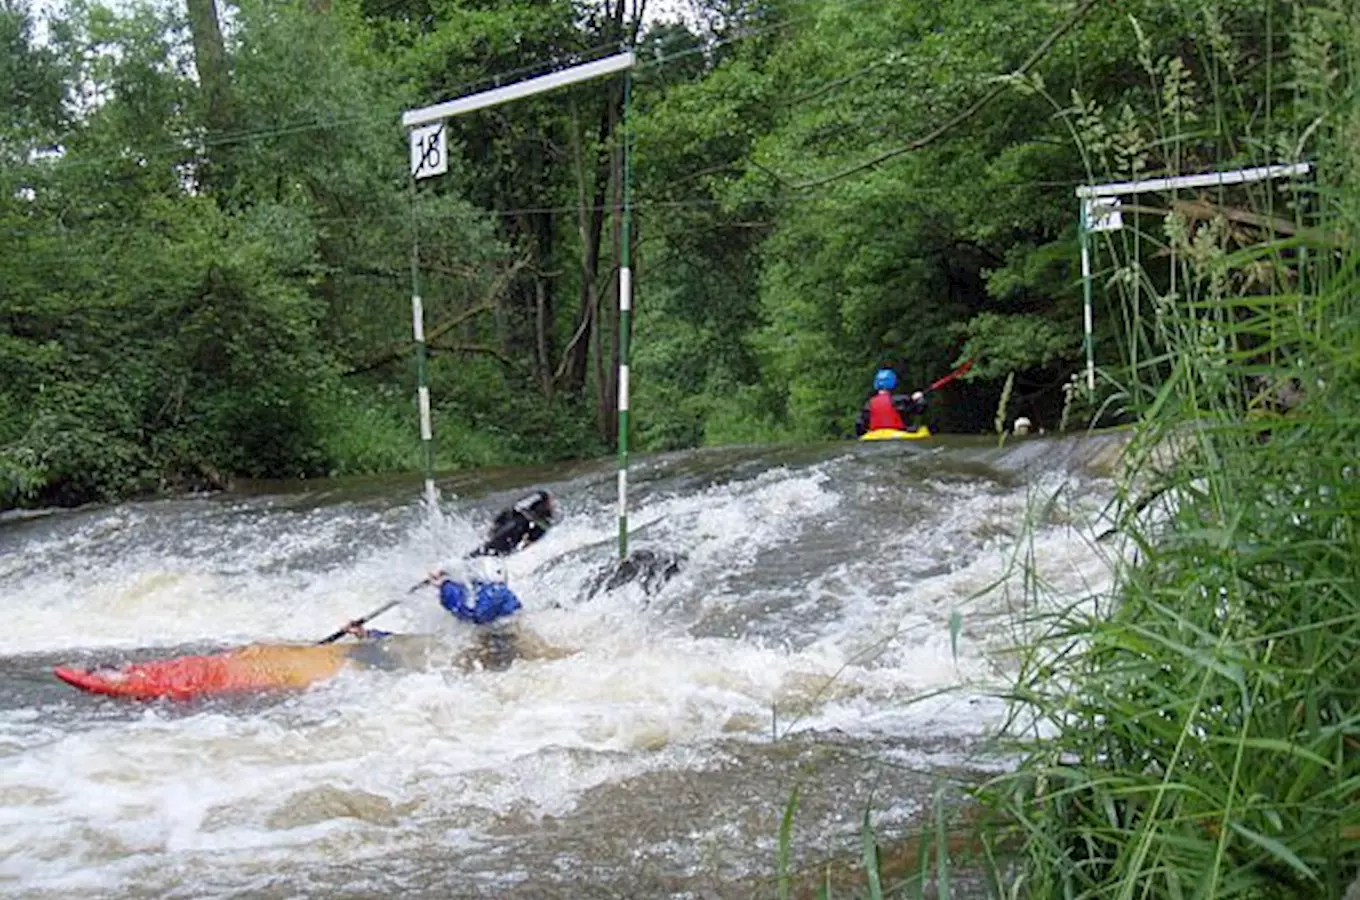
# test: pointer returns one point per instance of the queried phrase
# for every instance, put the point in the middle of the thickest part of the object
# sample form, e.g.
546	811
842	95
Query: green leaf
1275	849
869	856
785	845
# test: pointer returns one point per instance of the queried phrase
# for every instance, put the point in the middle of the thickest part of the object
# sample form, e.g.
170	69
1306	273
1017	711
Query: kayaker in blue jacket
476	594
481	596
475	591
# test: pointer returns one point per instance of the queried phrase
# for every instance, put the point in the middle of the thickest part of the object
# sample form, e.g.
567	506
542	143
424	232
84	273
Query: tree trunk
545	306
214	81
543	327
590	321
590	225
607	399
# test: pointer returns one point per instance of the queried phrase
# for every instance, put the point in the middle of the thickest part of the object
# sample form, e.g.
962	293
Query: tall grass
1200	736
1196	732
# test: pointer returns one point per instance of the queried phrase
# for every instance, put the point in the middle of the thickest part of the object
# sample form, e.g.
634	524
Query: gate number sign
429	151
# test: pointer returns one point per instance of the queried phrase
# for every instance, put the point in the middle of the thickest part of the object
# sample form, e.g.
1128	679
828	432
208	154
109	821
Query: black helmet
539	507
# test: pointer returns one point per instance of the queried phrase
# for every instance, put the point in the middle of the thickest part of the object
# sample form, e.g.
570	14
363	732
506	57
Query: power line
191	147
303	126
188	147
710	46
642	206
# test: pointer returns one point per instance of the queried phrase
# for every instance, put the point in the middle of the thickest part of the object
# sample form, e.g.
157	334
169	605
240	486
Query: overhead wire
641	206
190	145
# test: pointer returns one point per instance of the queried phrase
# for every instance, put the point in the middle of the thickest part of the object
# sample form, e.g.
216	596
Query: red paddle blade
952	375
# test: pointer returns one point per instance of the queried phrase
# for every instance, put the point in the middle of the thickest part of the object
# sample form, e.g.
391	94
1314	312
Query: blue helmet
885	380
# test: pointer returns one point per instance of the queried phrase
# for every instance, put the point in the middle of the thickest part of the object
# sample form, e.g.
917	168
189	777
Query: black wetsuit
519	526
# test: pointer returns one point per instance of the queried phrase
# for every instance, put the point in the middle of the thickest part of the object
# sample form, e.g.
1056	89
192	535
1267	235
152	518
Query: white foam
373	761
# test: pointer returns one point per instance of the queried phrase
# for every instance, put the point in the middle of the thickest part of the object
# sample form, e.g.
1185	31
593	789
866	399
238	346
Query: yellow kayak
894	434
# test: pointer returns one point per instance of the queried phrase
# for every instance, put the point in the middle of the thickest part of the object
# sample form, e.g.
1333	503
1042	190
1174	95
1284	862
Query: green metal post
625	317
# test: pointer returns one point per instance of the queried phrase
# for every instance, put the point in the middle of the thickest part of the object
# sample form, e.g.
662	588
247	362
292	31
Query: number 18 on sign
429	151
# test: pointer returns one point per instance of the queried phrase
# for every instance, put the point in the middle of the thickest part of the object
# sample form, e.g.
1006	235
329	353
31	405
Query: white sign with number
1103	214
429	151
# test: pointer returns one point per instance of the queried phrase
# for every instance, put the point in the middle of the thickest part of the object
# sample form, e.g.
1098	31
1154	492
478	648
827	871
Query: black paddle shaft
359	623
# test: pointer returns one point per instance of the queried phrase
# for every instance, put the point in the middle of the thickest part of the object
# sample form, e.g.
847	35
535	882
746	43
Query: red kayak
259	667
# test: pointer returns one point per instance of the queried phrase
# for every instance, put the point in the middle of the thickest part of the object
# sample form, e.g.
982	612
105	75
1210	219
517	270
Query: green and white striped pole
429	157
625	318
423	399
1088	316
422	364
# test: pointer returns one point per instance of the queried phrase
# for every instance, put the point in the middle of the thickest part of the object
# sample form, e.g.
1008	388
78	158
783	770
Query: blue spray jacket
488	601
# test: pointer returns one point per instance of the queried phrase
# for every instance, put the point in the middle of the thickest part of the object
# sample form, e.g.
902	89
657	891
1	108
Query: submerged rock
650	568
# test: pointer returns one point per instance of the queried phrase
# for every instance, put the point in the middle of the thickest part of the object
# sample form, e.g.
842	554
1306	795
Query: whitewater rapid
831	599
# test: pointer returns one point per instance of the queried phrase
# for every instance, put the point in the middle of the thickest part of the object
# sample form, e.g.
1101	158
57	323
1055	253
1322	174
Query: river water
807	640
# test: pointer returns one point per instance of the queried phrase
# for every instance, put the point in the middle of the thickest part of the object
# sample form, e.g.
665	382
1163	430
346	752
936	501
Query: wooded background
206	218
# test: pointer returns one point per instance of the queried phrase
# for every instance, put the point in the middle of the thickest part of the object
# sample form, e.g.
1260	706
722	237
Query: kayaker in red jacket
888	410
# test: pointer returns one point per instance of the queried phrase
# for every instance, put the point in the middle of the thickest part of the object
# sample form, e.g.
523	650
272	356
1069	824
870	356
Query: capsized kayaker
520	525
884	409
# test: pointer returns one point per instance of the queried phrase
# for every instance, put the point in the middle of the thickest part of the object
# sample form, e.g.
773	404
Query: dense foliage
1195	736
206	221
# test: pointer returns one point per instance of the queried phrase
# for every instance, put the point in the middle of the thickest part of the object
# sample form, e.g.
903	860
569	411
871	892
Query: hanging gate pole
1100	212
422	364
1088	336
429	156
625	320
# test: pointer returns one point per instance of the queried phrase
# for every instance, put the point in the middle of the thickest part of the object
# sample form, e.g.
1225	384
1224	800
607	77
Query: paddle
961	370
359	623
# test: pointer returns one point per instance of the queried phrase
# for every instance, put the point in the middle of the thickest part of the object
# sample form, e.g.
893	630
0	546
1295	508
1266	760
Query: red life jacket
882	413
